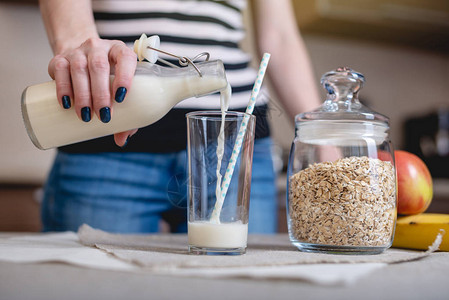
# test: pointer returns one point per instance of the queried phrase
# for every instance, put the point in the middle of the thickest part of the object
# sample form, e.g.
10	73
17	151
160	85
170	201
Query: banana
419	231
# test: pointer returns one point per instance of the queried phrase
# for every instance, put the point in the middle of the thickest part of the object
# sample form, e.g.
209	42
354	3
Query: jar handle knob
342	86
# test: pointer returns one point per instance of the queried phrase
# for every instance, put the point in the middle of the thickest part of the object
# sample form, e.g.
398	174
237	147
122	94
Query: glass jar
341	189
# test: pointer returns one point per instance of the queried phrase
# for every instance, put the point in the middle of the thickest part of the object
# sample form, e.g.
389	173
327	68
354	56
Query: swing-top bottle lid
147	48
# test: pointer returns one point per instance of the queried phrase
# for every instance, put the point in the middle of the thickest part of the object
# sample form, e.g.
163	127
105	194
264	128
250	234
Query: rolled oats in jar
341	174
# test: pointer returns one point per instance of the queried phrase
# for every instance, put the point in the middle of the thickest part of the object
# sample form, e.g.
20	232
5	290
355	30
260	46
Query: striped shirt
186	28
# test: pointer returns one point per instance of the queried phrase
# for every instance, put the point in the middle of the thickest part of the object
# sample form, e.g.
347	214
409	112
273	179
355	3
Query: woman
130	185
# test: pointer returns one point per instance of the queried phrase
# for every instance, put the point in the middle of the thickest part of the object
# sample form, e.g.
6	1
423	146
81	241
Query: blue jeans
131	192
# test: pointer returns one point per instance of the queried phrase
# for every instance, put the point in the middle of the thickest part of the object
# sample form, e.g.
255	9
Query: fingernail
85	114
66	102
126	142
105	114
120	94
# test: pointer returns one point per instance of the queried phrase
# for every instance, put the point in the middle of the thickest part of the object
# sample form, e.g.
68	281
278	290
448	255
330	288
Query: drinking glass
219	227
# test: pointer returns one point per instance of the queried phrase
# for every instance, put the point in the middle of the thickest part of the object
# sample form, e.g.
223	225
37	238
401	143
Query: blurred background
401	46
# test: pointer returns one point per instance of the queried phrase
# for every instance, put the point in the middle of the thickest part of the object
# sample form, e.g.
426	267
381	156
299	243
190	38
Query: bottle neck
211	77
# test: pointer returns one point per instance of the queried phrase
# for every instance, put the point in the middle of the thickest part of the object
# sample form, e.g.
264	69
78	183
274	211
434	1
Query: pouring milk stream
229	235
212	233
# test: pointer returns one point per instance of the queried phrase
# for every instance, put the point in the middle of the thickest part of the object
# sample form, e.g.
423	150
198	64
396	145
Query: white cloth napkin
66	248
57	247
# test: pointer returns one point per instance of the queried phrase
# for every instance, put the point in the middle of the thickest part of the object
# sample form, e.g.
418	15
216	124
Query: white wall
24	56
400	82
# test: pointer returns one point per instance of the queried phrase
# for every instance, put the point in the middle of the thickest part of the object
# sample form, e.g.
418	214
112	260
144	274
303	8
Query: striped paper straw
238	143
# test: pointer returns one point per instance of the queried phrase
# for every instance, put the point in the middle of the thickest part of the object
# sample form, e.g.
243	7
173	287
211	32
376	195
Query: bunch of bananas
419	231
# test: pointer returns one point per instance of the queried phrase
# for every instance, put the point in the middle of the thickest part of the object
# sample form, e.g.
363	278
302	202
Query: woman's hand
82	79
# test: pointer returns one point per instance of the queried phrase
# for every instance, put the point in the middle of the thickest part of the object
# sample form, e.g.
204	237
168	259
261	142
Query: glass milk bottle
155	90
341	174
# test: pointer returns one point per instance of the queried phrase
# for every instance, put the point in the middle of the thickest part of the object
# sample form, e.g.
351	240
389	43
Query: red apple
415	190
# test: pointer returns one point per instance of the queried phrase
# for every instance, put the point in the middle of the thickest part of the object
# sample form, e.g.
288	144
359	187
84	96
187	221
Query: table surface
423	279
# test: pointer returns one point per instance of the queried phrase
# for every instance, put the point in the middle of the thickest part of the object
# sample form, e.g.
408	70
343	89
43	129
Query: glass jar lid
342	102
342	114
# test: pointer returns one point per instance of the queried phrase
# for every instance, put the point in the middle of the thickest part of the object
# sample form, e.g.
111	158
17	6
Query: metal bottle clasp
183	60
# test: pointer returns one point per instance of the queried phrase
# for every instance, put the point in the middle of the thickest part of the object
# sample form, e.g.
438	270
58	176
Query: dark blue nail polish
85	114
66	102
126	142
120	94
105	114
